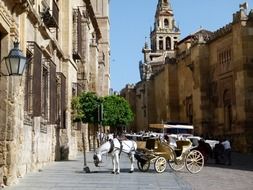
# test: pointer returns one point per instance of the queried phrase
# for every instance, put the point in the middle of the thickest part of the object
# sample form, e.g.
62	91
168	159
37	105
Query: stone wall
210	82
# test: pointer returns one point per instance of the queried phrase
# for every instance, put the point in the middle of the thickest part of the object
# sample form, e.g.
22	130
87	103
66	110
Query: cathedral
204	79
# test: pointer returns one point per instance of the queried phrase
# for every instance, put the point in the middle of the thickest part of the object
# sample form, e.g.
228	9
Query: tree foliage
85	107
117	111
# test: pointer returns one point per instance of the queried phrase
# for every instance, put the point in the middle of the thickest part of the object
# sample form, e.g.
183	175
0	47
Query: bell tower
165	33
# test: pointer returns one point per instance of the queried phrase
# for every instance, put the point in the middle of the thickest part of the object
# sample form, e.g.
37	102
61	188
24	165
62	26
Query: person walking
227	149
219	153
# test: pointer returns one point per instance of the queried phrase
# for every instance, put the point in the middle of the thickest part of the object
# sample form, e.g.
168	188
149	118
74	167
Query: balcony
50	14
77	34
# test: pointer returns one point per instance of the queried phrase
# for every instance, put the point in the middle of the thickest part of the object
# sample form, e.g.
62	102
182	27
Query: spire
163	7
164	4
146	43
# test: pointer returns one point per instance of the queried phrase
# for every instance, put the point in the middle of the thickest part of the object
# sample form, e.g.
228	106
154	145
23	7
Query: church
205	79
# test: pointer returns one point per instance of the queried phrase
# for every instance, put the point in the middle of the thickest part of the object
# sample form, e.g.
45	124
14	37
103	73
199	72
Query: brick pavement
68	175
238	176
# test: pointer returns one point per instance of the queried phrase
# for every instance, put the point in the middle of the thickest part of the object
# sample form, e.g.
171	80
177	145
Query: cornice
8	18
93	18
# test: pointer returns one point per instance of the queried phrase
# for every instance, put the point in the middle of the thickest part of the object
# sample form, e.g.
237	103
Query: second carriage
159	153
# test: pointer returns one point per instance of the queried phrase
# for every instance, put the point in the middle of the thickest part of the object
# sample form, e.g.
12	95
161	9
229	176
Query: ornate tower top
165	33
163	40
164	5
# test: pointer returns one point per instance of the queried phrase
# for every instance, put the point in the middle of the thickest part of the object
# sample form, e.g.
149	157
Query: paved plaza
238	176
69	175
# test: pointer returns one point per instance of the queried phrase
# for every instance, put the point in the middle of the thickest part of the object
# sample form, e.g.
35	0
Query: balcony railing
51	17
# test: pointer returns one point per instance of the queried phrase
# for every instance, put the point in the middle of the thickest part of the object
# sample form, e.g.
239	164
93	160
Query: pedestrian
227	151
219	153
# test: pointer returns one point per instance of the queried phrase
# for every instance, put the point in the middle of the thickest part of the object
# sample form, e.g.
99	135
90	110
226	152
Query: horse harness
112	146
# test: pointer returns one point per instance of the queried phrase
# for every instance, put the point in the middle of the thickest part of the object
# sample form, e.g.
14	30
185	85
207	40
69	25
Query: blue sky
130	22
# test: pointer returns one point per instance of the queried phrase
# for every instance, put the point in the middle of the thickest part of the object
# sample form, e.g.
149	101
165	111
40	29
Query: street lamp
15	62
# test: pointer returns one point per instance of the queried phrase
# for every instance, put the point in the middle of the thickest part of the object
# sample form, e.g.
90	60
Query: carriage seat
182	146
151	144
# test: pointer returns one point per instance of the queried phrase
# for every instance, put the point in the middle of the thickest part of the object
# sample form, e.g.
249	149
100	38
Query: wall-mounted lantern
15	62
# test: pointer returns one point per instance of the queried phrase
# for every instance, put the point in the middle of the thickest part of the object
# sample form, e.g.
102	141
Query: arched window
161	44
166	23
168	43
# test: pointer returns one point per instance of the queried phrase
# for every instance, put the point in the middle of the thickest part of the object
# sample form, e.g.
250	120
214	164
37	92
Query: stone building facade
67	45
208	83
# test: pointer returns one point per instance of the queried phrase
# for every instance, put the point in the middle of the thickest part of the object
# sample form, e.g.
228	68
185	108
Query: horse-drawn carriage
160	153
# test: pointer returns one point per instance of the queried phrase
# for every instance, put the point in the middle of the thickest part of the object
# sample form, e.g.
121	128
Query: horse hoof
117	173
131	171
113	172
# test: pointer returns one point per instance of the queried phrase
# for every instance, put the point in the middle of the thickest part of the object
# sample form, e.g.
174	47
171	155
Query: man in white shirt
227	148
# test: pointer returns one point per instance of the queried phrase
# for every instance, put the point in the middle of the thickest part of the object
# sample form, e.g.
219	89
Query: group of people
222	152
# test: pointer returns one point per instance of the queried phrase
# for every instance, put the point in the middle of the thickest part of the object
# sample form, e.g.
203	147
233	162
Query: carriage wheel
143	166
160	164
176	166
194	161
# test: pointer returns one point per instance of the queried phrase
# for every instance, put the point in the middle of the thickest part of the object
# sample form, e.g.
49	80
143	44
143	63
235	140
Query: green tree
85	107
116	112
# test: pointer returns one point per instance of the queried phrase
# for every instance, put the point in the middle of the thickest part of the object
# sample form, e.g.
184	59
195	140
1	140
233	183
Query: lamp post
15	62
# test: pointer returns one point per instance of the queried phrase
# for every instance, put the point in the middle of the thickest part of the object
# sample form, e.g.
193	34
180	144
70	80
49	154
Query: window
224	60
166	23
33	80
28	102
61	100
53	93
168	43
44	93
161	44
40	86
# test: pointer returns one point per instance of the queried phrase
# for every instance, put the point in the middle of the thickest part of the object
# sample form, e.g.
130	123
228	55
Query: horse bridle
95	157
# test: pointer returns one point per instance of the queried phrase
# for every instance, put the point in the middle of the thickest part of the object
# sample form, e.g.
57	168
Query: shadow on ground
239	162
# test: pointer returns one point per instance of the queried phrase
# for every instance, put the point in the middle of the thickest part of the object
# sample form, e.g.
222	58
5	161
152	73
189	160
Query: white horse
115	147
